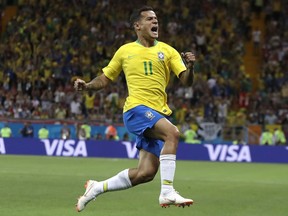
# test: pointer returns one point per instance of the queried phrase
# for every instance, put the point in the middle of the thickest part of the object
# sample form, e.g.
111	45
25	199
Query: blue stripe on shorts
137	120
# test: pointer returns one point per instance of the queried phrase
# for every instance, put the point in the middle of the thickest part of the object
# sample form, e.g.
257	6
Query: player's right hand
79	85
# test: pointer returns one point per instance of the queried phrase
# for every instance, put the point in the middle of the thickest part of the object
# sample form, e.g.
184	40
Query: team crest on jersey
149	115
161	56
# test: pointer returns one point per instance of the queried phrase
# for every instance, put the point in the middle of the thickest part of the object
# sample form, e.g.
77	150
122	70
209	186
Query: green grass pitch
40	186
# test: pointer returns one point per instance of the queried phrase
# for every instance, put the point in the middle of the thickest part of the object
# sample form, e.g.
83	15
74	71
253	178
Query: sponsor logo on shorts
149	115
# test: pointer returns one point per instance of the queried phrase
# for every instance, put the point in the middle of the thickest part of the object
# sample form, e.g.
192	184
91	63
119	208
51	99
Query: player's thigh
162	130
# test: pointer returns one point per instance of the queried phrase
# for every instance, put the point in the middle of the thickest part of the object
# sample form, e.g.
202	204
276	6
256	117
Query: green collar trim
155	42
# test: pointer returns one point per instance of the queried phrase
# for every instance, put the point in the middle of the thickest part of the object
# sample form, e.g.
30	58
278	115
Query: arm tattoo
95	84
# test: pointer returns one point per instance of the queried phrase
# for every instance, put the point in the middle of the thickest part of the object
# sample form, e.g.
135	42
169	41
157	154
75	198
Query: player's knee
146	176
174	134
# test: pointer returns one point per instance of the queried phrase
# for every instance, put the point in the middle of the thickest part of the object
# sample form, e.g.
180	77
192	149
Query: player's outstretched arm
97	83
187	77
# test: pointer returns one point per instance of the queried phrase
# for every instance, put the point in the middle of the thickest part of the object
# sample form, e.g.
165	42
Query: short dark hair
136	14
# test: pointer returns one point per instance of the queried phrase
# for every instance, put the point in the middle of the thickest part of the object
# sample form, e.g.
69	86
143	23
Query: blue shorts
137	120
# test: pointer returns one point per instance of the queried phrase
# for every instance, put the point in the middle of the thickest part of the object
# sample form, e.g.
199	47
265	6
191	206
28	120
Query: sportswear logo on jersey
161	55
131	56
149	115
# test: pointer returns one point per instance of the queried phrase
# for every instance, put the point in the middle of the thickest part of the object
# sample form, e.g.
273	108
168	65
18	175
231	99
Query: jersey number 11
148	67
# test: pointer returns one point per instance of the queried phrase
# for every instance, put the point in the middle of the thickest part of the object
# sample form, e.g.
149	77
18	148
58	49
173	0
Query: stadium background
45	44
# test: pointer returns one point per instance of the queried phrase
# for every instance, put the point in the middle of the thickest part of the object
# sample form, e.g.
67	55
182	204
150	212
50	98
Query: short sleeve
176	63
114	68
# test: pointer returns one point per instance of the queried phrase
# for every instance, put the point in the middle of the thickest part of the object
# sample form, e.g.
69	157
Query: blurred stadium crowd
49	43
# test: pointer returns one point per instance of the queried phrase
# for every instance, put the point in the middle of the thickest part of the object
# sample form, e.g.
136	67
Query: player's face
148	25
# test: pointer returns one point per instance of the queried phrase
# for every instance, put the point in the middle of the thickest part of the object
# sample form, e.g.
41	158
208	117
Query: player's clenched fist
79	85
189	58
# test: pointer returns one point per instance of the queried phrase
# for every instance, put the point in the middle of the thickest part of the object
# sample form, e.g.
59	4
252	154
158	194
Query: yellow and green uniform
87	129
267	138
280	137
43	133
6	132
190	137
147	71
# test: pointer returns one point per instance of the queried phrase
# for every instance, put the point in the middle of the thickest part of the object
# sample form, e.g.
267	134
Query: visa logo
2	146
229	153
65	147
130	149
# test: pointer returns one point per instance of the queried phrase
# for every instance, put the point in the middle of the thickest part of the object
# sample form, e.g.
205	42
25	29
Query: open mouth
154	29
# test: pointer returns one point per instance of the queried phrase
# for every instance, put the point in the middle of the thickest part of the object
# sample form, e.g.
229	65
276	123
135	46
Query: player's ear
136	25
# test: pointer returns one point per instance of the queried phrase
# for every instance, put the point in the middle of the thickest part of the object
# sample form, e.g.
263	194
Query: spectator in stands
6	131
80	131
239	141
279	136
59	95
65	132
191	136
87	128
43	132
112	100
27	130
60	111
126	137
239	138
222	109
89	98
111	133
266	138
99	136
258	7
256	37
270	117
75	107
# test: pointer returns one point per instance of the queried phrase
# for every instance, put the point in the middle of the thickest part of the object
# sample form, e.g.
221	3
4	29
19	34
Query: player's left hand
189	58
80	85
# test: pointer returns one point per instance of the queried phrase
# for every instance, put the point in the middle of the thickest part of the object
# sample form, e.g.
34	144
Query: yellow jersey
147	71
89	101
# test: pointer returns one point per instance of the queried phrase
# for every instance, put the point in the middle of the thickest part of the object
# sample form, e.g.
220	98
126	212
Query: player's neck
147	43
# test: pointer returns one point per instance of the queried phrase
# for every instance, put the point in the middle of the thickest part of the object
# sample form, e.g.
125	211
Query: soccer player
147	64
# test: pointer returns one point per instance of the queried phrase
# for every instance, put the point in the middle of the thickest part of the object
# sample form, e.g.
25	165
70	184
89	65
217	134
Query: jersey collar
155	42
